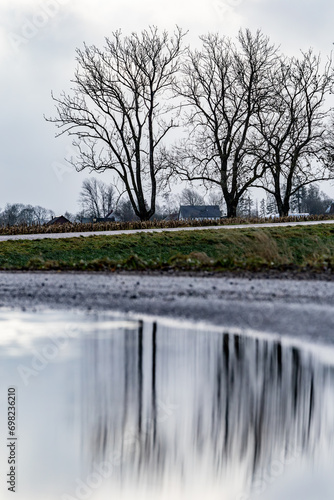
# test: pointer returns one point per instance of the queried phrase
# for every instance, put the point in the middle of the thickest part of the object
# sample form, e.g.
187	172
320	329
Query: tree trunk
284	212
283	207
231	209
144	217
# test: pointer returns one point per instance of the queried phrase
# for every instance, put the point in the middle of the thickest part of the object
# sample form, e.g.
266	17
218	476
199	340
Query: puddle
112	407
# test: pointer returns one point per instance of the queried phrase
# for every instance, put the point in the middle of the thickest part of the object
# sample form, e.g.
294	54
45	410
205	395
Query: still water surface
111	407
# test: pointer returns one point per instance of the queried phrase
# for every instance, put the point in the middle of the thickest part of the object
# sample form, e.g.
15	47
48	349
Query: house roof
58	220
199	212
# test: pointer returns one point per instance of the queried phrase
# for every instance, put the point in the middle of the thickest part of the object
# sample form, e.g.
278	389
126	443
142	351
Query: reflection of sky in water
119	408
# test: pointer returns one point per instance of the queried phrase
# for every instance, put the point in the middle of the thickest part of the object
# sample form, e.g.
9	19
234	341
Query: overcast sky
37	54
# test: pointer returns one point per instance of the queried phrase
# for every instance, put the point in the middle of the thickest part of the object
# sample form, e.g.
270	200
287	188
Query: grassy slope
253	249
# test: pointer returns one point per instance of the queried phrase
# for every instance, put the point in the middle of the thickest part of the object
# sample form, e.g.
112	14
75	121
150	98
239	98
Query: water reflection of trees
173	402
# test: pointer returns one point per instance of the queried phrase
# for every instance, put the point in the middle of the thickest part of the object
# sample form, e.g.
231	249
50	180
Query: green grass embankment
299	248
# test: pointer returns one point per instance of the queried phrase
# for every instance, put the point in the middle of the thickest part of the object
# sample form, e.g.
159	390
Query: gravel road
302	309
132	231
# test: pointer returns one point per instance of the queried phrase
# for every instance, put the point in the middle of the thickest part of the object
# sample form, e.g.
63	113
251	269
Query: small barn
199	212
58	221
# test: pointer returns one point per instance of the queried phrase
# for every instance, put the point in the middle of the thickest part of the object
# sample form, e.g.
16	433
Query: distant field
281	248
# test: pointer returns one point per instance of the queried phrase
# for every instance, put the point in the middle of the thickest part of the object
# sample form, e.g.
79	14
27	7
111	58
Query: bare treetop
119	109
224	84
294	127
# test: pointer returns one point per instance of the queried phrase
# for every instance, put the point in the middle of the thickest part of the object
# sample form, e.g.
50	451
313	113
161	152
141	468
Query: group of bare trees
120	112
18	213
247	116
294	144
101	200
97	198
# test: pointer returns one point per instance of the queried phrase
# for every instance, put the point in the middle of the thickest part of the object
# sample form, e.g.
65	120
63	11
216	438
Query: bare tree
271	205
190	196
245	207
120	109
11	214
18	213
27	215
97	198
125	211
169	204
263	208
42	215
224	85
216	198
309	199
294	128
71	217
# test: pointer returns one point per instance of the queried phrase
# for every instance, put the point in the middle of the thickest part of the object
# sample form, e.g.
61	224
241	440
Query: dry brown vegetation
116	226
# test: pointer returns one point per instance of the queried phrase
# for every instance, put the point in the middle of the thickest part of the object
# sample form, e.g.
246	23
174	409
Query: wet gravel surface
294	307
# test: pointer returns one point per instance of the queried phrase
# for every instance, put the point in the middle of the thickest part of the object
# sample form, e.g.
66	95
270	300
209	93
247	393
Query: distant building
199	212
111	217
298	214
290	214
58	220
